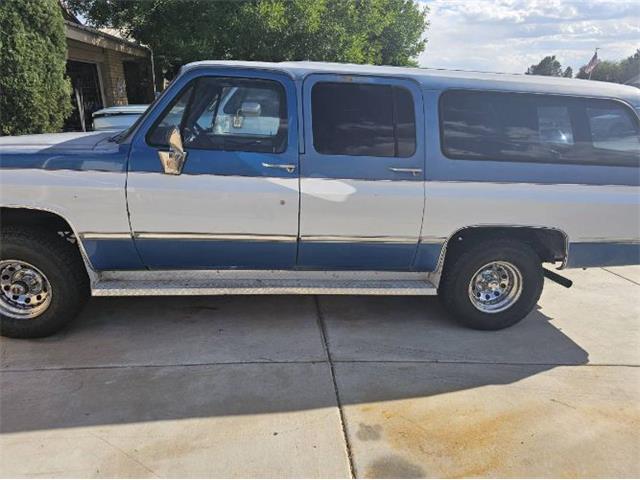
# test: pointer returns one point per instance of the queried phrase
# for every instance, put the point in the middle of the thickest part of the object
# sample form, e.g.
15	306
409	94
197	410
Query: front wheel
43	284
493	285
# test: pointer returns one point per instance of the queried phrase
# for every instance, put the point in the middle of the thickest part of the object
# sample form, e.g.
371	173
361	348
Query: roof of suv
438	79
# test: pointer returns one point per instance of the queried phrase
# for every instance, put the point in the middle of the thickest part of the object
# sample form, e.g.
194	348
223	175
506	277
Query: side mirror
247	109
173	160
251	109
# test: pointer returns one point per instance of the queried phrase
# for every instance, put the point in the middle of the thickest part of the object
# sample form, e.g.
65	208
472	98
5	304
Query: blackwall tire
493	285
55	278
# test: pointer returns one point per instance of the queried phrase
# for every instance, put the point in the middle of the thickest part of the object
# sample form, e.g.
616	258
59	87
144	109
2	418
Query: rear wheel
43	284
493	285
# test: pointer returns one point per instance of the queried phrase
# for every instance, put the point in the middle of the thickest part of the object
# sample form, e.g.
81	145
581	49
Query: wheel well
26	217
549	244
33	218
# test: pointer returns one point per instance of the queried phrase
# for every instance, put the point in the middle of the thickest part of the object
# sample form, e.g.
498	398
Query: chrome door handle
412	171
288	167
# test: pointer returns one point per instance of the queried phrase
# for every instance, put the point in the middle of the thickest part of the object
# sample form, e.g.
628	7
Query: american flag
593	63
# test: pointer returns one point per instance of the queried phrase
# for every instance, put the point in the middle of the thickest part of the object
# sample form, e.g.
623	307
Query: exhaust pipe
559	279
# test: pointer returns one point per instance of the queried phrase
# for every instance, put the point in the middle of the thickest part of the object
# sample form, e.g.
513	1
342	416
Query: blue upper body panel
426	86
438	79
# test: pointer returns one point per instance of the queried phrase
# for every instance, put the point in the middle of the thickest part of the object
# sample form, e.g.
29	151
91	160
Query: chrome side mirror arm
173	160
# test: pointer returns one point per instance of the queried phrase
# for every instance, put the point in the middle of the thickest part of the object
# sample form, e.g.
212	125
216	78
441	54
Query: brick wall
115	89
108	52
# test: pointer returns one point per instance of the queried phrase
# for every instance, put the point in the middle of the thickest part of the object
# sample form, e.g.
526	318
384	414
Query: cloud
511	35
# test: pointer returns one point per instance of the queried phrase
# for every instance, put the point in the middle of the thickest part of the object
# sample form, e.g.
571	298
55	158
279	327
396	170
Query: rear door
362	173
235	204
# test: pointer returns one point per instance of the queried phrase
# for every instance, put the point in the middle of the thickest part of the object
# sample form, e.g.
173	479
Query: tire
65	285
515	261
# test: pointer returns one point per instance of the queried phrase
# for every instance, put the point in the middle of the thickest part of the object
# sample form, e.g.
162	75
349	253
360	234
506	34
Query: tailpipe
559	279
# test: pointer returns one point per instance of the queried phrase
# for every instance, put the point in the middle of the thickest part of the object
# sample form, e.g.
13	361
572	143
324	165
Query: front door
362	173
235	204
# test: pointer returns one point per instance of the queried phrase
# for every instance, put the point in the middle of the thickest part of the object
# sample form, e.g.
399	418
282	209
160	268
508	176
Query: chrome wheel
25	291
495	287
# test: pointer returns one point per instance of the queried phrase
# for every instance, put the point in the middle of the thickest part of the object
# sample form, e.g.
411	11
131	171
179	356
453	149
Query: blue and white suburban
312	178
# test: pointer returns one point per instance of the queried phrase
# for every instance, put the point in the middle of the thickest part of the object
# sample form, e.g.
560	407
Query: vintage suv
312	178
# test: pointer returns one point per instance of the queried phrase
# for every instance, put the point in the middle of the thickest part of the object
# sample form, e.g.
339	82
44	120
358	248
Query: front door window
227	114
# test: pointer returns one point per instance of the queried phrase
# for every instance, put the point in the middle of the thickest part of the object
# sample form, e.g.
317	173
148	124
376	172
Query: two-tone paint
233	210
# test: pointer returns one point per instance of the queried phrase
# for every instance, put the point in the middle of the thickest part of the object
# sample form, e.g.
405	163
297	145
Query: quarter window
515	127
363	119
613	129
229	114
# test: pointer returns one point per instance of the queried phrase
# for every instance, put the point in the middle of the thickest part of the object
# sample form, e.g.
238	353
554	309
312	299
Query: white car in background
117	118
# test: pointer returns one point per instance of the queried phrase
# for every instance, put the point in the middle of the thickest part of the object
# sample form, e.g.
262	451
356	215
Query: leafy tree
630	67
35	95
612	71
606	71
180	31
549	67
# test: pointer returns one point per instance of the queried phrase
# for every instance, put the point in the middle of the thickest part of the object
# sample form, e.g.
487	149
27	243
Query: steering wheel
192	133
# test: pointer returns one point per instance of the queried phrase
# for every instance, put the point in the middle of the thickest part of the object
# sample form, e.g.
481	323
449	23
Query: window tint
554	125
537	128
362	119
234	114
405	122
613	129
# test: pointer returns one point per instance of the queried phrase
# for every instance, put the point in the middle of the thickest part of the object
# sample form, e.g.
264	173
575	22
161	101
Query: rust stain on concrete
508	439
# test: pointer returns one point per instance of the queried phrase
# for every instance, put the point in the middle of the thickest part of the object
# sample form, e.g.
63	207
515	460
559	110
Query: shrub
35	94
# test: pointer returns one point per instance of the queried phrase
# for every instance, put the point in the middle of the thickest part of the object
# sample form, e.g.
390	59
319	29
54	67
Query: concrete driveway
329	387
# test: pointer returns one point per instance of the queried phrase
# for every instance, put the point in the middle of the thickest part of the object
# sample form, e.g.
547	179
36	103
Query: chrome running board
238	282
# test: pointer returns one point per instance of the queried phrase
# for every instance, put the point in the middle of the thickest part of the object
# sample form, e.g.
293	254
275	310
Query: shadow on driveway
151	359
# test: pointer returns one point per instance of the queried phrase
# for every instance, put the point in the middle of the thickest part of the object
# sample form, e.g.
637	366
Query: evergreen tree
35	94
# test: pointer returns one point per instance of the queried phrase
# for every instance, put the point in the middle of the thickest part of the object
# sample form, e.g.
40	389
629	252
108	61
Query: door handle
284	166
412	171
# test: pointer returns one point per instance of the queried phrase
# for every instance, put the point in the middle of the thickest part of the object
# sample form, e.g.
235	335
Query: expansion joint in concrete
343	423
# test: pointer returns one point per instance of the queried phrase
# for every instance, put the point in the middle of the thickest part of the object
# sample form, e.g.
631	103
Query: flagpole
594	67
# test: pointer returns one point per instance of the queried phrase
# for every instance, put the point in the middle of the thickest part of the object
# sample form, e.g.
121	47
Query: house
105	70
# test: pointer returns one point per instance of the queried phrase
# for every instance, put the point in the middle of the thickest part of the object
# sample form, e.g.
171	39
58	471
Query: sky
510	35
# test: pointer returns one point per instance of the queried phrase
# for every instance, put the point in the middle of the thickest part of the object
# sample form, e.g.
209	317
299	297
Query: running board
144	284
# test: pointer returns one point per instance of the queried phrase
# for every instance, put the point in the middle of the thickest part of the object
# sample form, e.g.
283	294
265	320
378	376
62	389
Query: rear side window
363	119
538	128
612	129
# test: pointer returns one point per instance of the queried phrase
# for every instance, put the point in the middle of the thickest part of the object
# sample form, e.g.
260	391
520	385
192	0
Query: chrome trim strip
105	236
310	238
270	238
214	236
633	241
357	239
433	240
